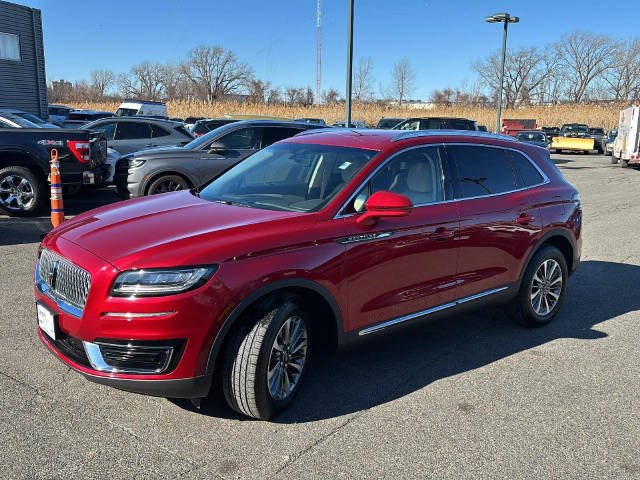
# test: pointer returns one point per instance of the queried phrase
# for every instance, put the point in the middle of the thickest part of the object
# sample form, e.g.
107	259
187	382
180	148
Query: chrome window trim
428	311
464	144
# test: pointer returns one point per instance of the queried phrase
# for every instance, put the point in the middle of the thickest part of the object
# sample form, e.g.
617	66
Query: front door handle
524	219
442	234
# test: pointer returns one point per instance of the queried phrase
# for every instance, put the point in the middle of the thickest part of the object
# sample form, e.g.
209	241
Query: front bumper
157	346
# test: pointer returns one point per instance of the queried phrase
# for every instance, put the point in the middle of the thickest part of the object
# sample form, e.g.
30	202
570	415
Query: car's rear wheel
22	192
542	289
266	360
623	163
614	159
168	183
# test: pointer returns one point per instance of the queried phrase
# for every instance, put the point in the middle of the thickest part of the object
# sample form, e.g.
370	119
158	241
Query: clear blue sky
277	37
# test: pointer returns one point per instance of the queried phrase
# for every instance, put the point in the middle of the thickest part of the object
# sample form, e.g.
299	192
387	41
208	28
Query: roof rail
462	133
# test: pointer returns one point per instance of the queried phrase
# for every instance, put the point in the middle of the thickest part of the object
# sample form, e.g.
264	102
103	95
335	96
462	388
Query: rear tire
266	359
542	289
624	163
614	160
22	192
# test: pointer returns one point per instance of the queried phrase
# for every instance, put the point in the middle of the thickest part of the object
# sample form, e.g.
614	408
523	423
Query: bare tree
584	57
402	80
274	96
363	80
102	81
525	72
143	81
292	95
622	80
258	90
330	96
216	72
172	81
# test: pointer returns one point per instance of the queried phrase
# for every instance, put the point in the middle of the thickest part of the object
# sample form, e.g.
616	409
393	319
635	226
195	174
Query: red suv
318	240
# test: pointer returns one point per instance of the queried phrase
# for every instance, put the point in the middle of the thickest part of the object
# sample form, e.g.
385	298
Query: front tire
542	289
168	183
266	359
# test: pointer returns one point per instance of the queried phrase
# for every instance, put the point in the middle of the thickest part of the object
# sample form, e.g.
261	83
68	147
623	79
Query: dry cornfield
555	115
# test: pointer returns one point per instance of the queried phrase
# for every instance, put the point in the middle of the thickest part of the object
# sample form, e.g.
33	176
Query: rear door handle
524	219
442	234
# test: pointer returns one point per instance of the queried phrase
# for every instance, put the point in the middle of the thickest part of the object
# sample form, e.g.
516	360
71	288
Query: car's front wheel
542	289
266	359
168	183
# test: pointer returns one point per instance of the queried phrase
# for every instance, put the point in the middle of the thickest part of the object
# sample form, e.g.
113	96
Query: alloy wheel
169	186
287	358
16	193
546	287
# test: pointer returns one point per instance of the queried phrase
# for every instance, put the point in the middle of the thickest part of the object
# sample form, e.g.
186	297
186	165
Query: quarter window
480	171
526	173
9	46
157	131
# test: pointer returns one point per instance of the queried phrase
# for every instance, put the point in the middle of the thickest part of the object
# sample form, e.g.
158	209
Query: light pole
349	64
506	19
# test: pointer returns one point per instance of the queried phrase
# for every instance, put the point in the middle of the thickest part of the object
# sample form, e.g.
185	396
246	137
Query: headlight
156	282
135	163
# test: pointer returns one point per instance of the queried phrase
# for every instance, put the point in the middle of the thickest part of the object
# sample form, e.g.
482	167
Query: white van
626	147
130	108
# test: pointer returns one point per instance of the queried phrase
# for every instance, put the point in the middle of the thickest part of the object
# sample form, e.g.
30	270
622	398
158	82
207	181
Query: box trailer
625	146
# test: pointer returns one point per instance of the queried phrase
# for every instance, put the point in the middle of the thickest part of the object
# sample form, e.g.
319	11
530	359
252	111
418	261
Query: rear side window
157	131
107	128
274	134
526	173
480	171
432	123
132	130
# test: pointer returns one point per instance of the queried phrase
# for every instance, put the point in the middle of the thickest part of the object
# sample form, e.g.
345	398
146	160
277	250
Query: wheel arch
558	238
323	302
12	157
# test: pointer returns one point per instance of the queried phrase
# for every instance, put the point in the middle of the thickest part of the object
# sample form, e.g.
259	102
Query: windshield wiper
235	204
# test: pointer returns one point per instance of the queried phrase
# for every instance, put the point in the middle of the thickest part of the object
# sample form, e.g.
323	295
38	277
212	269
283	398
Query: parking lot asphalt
468	397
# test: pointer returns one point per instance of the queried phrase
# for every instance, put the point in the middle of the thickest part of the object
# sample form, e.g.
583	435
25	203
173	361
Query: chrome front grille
63	279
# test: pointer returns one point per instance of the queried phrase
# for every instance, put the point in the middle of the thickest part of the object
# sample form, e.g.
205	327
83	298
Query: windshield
292	177
22	122
531	137
576	128
30	117
613	133
126	112
596	131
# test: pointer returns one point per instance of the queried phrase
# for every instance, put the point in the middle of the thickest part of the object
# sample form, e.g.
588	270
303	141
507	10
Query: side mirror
217	147
385	204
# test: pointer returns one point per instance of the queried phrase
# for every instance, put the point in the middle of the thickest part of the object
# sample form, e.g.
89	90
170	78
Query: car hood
176	228
167	151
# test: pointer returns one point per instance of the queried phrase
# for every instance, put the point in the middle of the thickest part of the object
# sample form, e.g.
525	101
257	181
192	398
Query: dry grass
594	115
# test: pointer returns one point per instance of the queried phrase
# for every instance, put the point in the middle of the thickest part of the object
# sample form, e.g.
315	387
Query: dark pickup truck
25	154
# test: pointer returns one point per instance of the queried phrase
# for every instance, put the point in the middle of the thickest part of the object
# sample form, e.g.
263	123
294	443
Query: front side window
242	139
289	177
410	125
415	173
9	46
132	130
480	171
275	134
